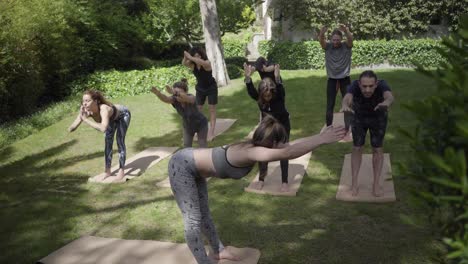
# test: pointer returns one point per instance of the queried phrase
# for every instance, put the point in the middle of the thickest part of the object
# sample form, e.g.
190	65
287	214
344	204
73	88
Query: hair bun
184	80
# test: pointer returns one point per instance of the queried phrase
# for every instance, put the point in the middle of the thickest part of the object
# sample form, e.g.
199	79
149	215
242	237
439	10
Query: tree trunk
213	46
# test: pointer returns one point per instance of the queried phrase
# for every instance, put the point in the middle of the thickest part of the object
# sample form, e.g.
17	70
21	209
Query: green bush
440	141
121	83
234	71
234	47
309	54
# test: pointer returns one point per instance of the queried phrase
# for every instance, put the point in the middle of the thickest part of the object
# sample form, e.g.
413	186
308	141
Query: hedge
309	54
121	83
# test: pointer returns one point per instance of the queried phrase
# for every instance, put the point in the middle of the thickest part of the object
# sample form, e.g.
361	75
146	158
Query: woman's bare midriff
204	162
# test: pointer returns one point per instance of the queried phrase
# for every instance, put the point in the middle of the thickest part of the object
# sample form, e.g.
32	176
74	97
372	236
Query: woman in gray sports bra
192	119
189	167
108	118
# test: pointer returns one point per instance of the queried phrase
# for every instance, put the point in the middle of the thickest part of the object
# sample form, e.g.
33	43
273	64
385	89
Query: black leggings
332	89
284	164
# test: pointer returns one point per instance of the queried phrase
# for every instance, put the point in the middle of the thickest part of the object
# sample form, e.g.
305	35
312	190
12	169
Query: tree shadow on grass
41	204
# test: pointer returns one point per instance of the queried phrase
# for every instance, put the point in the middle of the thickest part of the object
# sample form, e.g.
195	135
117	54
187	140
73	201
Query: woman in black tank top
206	85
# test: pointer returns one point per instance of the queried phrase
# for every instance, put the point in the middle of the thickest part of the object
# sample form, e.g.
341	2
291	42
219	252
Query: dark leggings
191	194
284	164
332	89
120	125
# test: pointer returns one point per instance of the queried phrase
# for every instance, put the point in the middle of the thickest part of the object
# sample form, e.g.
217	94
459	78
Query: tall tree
213	46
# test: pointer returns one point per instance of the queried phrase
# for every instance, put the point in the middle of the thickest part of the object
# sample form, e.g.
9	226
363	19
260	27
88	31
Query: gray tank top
223	168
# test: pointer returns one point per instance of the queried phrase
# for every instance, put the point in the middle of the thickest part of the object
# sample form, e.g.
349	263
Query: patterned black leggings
191	194
120	125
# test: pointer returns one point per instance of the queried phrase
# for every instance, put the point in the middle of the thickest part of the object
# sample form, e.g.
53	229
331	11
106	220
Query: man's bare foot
258	185
225	254
377	191
284	187
354	190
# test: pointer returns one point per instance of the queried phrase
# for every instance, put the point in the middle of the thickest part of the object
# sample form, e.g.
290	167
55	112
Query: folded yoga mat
142	161
272	184
222	124
93	250
338	120
366	180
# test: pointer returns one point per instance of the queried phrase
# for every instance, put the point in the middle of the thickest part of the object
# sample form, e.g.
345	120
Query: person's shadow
139	166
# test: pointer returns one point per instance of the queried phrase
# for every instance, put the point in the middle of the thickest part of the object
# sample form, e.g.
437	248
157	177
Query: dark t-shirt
191	117
363	106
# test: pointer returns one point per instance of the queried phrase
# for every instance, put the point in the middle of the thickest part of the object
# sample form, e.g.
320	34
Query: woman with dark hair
189	168
270	98
193	120
108	118
206	85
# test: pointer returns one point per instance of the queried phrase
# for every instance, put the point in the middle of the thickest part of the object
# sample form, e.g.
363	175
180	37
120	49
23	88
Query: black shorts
376	125
211	93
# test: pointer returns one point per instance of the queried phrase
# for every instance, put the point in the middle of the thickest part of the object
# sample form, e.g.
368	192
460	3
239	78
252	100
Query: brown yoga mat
366	180
93	250
338	120
272	184
222	124
139	163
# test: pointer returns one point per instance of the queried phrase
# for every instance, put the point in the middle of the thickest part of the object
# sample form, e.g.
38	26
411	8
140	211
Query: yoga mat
338	120
222	124
272	184
366	180
139	163
99	250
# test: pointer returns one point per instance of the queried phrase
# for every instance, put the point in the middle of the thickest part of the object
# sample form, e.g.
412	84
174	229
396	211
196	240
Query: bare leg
356	157
262	173
377	162
211	132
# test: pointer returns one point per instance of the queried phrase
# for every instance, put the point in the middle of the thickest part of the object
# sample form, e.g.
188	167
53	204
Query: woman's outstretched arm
298	147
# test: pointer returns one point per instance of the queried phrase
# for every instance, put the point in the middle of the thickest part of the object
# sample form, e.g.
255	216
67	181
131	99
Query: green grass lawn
46	202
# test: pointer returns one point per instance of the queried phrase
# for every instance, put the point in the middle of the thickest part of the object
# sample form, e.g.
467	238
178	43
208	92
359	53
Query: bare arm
204	63
388	100
77	122
269	68
104	112
161	96
248	82
187	62
349	35
322	39
347	103
296	148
